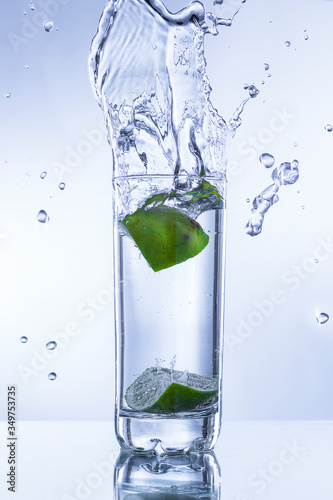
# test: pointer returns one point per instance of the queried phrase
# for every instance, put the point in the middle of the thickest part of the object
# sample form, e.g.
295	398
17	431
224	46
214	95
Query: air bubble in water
24	339
328	127
42	216
266	66
43	175
51	345
48	26
52	376
267	160
287	43
62	186
322	317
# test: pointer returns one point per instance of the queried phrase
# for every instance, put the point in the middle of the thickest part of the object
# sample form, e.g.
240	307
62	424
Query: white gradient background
53	275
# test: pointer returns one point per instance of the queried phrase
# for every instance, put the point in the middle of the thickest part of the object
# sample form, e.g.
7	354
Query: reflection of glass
148	477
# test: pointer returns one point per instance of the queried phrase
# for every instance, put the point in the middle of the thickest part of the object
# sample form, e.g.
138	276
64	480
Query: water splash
24	339
51	345
322	317
42	217
157	106
285	174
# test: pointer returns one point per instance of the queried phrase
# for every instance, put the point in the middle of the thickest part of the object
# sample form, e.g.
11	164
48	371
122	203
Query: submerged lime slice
165	236
156	390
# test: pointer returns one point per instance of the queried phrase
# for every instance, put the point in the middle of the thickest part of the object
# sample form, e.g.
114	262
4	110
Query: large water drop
42	216
51	345
48	26
322	317
24	339
52	376
267	160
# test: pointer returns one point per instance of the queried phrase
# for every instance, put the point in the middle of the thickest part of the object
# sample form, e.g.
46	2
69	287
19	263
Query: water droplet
43	175
51	345
62	186
24	12
266	66
302	207
316	261
24	339
42	216
252	89
267	160
328	127
269	75
52	376
48	26
8	95
306	37
287	43
247	200
295	144
32	7
27	66
322	318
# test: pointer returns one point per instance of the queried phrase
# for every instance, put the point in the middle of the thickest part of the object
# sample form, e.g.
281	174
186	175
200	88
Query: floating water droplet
52	376
62	186
42	216
266	66
322	318
267	160
43	175
328	127
48	26
252	89
287	43
51	345
8	95
24	339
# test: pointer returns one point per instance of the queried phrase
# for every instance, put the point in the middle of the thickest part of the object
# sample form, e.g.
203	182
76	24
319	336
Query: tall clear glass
170	322
169	145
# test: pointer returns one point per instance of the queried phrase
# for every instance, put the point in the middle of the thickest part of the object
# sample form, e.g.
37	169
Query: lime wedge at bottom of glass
165	236
160	391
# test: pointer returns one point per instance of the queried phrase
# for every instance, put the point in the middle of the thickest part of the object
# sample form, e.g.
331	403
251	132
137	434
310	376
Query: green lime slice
165	236
159	391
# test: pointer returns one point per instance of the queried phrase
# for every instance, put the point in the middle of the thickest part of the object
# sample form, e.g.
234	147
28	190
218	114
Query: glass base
173	435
